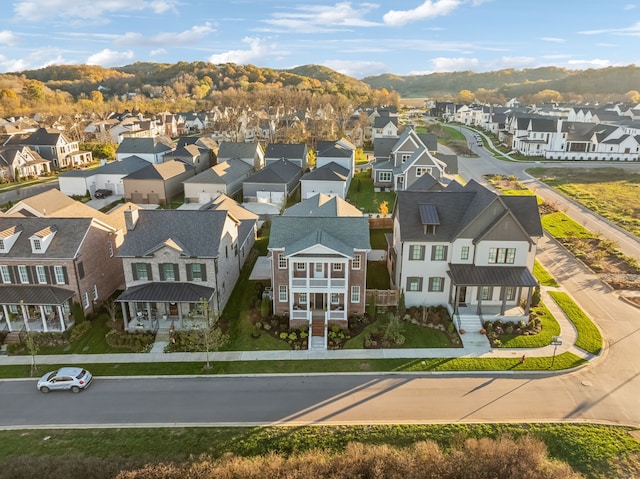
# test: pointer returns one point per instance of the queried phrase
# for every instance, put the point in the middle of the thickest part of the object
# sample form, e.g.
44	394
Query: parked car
71	378
102	193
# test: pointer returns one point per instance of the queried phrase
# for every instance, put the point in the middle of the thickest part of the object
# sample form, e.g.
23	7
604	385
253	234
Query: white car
71	378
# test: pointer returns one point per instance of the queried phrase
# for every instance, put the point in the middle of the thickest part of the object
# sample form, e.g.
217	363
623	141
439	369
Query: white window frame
355	294
356	263
302	298
282	261
23	274
95	292
489	293
85	300
110	248
59	274
301	266
2	244
41	274
464	253
385	176
404	157
4	274
37	244
510	293
335	298
502	255
283	295
318	268
421	170
337	267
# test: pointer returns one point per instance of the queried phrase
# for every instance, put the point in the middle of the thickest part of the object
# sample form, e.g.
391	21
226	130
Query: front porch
35	308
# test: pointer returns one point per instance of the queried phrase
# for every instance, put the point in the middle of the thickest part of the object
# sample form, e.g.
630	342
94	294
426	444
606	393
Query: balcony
318	283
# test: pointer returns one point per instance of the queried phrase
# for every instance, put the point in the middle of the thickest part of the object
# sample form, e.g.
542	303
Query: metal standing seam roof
167	292
34	295
472	275
428	214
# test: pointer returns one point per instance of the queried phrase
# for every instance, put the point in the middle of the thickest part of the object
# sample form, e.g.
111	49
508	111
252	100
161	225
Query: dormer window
8	237
37	245
41	240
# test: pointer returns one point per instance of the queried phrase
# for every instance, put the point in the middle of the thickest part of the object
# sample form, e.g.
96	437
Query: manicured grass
415	336
593	450
377	238
609	192
361	194
543	275
562	361
561	226
454	133
377	275
550	327
589	337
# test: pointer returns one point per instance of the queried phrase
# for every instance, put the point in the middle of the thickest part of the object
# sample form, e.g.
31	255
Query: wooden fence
383	297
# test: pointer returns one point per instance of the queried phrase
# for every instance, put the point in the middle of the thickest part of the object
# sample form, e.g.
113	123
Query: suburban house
331	179
53	145
149	149
467	248
384	126
318	269
401	161
297	153
157	183
191	154
323	205
21	161
47	264
342	152
174	259
204	143
250	153
223	178
106	177
272	184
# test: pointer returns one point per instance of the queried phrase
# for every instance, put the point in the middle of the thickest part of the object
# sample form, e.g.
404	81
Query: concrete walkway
468	351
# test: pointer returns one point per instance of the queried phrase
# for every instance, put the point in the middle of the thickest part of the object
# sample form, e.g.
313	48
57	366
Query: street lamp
556	341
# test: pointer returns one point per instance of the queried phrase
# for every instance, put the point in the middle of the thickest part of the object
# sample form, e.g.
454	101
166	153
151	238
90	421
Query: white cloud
187	37
323	18
158	51
257	49
110	58
629	6
357	69
553	39
8	37
444	64
633	30
39	58
35	10
429	9
584	64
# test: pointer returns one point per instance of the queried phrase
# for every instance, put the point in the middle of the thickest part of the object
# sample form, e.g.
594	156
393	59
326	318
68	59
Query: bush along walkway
568	337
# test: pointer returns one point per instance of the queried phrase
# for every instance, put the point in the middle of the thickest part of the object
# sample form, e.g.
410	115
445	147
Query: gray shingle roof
322	205
65	244
160	171
230	149
136	146
197	231
286	150
223	173
342	234
329	172
281	171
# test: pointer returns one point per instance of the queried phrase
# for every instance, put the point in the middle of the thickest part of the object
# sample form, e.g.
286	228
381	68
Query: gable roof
223	173
323	205
229	149
342	234
425	183
281	171
197	232
45	136
329	172
286	150
137	146
160	171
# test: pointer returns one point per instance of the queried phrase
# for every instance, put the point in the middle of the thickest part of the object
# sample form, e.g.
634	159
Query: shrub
284	335
79	330
77	312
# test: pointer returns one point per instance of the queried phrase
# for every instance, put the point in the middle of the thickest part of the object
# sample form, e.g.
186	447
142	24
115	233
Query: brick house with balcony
48	263
318	271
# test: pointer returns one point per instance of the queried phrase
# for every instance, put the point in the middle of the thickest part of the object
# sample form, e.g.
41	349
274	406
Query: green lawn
543	275
415	336
361	194
589	337
550	327
377	238
561	226
377	275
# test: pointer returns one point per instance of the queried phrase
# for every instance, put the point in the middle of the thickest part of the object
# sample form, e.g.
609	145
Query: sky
402	37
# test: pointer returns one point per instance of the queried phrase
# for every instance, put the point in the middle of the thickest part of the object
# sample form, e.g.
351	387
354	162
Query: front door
319	301
462	295
318	270
173	309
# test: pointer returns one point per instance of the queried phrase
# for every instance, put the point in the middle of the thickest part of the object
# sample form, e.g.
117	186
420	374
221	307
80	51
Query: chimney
130	218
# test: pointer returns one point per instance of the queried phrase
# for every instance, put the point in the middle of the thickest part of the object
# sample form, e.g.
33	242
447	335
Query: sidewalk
568	336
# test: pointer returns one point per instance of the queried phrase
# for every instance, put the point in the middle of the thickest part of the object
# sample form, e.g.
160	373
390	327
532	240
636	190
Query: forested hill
510	83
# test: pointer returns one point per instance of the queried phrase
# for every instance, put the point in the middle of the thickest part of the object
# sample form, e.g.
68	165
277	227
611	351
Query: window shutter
176	271
31	272
52	274
47	273
422	249
149	269
420	284
433	253
134	271
446	251
161	269
203	271
66	276
189	272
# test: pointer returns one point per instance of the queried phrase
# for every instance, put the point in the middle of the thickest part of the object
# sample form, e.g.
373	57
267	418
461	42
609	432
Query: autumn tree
465	97
632	96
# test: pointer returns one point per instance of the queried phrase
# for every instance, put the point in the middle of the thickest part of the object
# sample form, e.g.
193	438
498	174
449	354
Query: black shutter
80	270
176	272
422	249
66	276
52	274
189	272
149	274
13	272
31	273
134	271
47	273
161	269
203	271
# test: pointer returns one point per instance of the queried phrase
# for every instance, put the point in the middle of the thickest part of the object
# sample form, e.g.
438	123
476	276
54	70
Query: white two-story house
467	248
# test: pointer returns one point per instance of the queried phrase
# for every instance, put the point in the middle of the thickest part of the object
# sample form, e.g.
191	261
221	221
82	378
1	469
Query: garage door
136	198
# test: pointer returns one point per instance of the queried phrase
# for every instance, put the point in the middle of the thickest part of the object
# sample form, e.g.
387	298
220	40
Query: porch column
457	301
527	307
479	308
125	316
61	316
180	315
6	317
504	301
43	319
149	310
24	316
